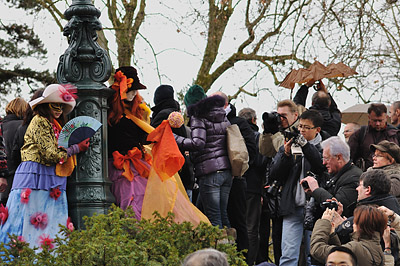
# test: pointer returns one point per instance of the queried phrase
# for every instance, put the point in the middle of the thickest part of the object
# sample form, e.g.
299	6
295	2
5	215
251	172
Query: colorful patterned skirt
35	211
127	193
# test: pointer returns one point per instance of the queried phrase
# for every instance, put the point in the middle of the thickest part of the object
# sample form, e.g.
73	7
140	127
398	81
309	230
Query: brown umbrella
357	114
316	71
340	70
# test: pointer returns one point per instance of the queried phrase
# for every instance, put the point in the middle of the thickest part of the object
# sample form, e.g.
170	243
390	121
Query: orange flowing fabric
167	159
66	168
166	195
122	84
134	156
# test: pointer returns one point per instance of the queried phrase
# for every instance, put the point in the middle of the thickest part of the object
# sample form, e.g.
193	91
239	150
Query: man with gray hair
394	114
206	257
343	176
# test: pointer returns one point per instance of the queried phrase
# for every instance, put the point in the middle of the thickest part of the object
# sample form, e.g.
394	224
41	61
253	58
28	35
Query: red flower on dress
70	225
55	193
39	220
25	195
3	214
46	242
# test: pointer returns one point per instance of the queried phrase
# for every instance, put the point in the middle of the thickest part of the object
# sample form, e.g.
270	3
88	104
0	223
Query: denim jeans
214	192
292	235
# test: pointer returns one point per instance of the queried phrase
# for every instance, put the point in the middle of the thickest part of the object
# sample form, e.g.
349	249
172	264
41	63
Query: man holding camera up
343	176
300	153
286	118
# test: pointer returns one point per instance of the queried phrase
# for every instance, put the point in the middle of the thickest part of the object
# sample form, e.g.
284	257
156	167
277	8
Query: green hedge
117	239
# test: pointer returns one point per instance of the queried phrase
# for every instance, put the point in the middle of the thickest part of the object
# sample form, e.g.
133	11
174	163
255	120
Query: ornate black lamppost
87	65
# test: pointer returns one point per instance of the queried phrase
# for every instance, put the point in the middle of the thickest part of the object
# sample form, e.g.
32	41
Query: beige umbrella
357	114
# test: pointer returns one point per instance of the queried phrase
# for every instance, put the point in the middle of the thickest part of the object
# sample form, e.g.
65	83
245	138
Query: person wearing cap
387	157
165	104
37	203
128	162
207	145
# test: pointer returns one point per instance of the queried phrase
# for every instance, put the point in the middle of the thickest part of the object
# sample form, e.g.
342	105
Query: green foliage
22	43
118	239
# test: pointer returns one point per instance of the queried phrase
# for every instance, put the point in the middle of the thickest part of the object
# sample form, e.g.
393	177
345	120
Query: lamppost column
87	65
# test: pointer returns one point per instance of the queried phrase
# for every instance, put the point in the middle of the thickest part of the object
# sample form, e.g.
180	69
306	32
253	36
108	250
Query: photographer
324	103
298	155
285	119
343	176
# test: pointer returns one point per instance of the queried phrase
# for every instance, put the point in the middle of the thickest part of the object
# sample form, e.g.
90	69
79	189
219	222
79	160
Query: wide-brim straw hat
56	93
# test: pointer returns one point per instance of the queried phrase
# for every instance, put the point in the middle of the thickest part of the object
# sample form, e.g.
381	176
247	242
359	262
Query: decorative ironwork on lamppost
87	65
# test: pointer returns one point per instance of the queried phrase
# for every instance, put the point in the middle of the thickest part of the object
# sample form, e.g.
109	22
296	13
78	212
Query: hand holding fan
77	130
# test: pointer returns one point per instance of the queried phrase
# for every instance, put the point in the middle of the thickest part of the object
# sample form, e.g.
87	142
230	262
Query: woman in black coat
15	111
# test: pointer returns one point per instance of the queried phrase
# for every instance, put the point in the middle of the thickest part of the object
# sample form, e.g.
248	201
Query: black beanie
163	92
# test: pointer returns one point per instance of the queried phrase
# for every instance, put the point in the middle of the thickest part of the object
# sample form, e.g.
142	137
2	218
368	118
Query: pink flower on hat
3	214
68	92
25	195
39	220
46	242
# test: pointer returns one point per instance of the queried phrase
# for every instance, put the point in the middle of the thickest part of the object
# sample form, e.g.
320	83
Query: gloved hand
268	128
300	140
83	145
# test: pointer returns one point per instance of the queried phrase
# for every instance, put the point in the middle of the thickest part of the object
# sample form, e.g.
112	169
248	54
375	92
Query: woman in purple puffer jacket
208	151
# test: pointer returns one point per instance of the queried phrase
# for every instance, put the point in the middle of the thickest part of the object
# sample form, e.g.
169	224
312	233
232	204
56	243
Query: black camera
273	189
329	205
271	122
305	183
290	134
272	118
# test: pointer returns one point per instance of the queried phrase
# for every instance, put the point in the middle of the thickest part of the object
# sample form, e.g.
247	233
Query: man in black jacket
254	177
237	197
297	156
343	179
324	103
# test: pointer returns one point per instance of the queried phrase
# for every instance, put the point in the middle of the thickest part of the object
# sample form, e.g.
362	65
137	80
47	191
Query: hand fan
78	129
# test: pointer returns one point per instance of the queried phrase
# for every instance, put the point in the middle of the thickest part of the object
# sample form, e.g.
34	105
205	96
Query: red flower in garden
70	225
39	220
55	193
3	214
46	242
25	195
21	239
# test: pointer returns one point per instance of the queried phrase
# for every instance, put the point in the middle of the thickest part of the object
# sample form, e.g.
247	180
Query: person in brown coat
369	225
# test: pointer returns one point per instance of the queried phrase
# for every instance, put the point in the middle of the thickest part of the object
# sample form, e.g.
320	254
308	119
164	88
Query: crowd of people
329	200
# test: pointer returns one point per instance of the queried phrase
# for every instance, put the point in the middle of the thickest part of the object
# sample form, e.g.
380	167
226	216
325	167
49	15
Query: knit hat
194	94
56	93
386	146
163	92
131	73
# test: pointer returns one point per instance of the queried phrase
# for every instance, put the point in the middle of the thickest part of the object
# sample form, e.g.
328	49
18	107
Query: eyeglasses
329	158
58	107
377	156
305	127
